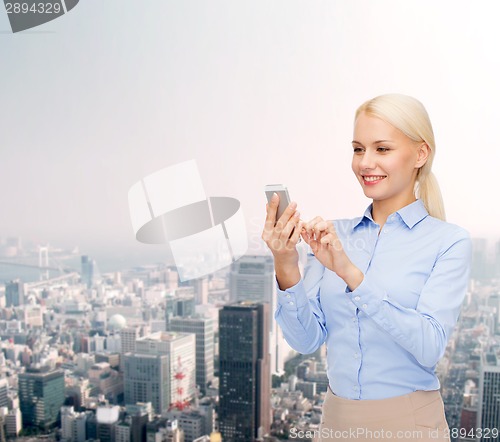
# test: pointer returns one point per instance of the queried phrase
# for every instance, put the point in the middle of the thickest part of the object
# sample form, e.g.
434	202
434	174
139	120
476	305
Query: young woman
383	290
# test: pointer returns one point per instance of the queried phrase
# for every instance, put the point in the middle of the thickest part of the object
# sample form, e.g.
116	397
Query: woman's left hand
327	247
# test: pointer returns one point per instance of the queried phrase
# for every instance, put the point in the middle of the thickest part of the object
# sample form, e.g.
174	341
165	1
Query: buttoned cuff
293	297
366	296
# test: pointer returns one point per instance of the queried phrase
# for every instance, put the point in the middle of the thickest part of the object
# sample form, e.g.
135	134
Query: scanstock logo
26	14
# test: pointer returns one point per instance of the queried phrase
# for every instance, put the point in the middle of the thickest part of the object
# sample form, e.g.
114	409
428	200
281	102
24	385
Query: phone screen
284	200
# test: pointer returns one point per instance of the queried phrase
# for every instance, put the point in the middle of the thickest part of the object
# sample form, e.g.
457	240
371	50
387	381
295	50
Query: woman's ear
423	153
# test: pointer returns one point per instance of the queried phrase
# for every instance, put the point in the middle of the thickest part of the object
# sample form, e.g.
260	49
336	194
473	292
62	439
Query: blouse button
291	303
365	305
357	298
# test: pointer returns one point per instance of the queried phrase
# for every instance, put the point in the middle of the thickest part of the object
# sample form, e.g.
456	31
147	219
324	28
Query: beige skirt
417	416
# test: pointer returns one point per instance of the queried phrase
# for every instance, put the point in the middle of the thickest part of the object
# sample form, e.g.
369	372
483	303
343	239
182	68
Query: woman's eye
357	149
383	149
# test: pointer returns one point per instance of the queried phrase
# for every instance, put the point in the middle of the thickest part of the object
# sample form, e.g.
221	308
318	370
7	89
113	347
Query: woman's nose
367	161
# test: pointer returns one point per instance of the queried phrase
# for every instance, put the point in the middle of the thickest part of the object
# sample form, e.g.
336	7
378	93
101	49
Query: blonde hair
409	116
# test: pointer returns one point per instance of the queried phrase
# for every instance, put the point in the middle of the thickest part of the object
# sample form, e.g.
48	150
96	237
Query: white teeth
373	178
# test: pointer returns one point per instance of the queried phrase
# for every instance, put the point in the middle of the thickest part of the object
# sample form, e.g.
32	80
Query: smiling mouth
372	179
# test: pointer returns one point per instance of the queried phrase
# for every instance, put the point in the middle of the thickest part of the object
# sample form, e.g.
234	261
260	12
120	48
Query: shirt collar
410	214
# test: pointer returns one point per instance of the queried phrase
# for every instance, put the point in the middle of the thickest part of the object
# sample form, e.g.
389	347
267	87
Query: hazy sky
256	92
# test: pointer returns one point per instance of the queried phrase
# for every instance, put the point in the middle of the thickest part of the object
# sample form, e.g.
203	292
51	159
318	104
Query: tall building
13	422
140	414
245	385
195	422
480	266
201	290
80	427
204	329
252	279
163	430
67	417
14	293
494	301
181	351
4	389
488	415
146	379
107	421
41	395
91	425
73	425
129	335
180	304
106	381
3	412
123	431
496	260
89	271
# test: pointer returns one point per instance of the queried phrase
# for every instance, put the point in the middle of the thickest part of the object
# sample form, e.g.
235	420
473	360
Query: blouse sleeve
299	312
425	330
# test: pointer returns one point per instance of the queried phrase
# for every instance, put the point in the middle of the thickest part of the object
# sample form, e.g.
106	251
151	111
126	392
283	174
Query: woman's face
384	159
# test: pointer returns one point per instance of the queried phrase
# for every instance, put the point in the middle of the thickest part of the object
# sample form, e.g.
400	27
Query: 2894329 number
35	8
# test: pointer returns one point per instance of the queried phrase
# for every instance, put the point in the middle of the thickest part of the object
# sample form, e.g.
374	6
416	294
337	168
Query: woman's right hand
277	234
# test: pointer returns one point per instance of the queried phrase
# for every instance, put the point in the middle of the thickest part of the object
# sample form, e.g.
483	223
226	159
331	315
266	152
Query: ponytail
427	189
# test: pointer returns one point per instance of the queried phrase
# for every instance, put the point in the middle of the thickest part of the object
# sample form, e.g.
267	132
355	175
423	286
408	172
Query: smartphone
282	192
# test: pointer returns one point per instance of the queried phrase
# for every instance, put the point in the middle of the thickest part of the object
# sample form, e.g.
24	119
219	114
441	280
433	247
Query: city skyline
280	84
86	327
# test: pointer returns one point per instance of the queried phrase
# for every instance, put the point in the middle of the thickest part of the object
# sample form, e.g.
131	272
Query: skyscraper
480	269
245	385
89	271
4	389
252	279
181	351
14	293
146	379
204	329
41	395
140	414
73	424
180	304
2	424
496	260
129	335
488	415
107	420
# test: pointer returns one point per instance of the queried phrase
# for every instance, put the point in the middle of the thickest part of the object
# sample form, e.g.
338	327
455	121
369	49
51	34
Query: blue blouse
385	338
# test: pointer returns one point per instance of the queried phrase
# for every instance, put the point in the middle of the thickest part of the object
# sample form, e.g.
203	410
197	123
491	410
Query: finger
292	222
310	224
320	226
331	227
314	246
304	235
287	214
327	239
272	209
332	241
296	234
319	235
